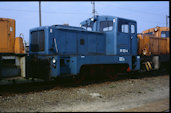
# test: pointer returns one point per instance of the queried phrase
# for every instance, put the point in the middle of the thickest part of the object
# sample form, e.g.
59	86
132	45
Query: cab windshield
106	26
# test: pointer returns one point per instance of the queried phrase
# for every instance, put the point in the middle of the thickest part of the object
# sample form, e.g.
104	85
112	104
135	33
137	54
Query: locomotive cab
121	36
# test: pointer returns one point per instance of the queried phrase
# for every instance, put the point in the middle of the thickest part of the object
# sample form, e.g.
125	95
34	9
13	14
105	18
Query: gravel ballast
107	96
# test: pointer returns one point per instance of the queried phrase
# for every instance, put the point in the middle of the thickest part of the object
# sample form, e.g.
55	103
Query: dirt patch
160	105
107	96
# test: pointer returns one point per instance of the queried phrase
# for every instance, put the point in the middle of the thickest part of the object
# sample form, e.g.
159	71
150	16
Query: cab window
132	28
106	26
88	27
149	33
164	34
123	26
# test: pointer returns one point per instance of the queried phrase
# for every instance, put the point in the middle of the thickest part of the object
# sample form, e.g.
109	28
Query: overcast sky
147	14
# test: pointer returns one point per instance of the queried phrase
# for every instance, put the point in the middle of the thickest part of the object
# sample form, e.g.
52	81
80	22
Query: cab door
133	35
123	38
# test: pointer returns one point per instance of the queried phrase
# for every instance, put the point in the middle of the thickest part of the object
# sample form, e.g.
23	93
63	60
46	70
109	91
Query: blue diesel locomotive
101	42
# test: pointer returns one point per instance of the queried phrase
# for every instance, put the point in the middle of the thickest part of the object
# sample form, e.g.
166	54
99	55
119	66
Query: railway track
32	86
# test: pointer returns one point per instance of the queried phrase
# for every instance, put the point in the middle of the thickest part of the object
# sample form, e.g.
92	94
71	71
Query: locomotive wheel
92	73
82	76
79	79
111	74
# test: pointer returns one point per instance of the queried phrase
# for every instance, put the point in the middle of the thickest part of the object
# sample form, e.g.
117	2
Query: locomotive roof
67	27
62	27
103	17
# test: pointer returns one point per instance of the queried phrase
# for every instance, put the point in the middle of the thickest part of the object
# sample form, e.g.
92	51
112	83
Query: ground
120	95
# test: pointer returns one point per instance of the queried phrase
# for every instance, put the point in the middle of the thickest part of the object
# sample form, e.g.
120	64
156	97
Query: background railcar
154	48
12	53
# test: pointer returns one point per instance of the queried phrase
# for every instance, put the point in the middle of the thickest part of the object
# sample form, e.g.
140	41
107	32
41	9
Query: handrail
55	45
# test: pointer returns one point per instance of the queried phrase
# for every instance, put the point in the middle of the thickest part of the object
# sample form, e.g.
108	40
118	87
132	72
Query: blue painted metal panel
82	43
71	28
100	45
110	43
73	65
66	42
123	44
91	43
134	42
9	71
60	38
51	37
137	63
115	35
55	69
64	65
71	42
78	61
111	40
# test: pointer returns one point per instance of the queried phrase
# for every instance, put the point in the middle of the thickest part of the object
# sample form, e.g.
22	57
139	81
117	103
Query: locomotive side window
165	34
34	41
123	27
84	26
150	33
37	41
41	40
132	28
88	27
106	26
